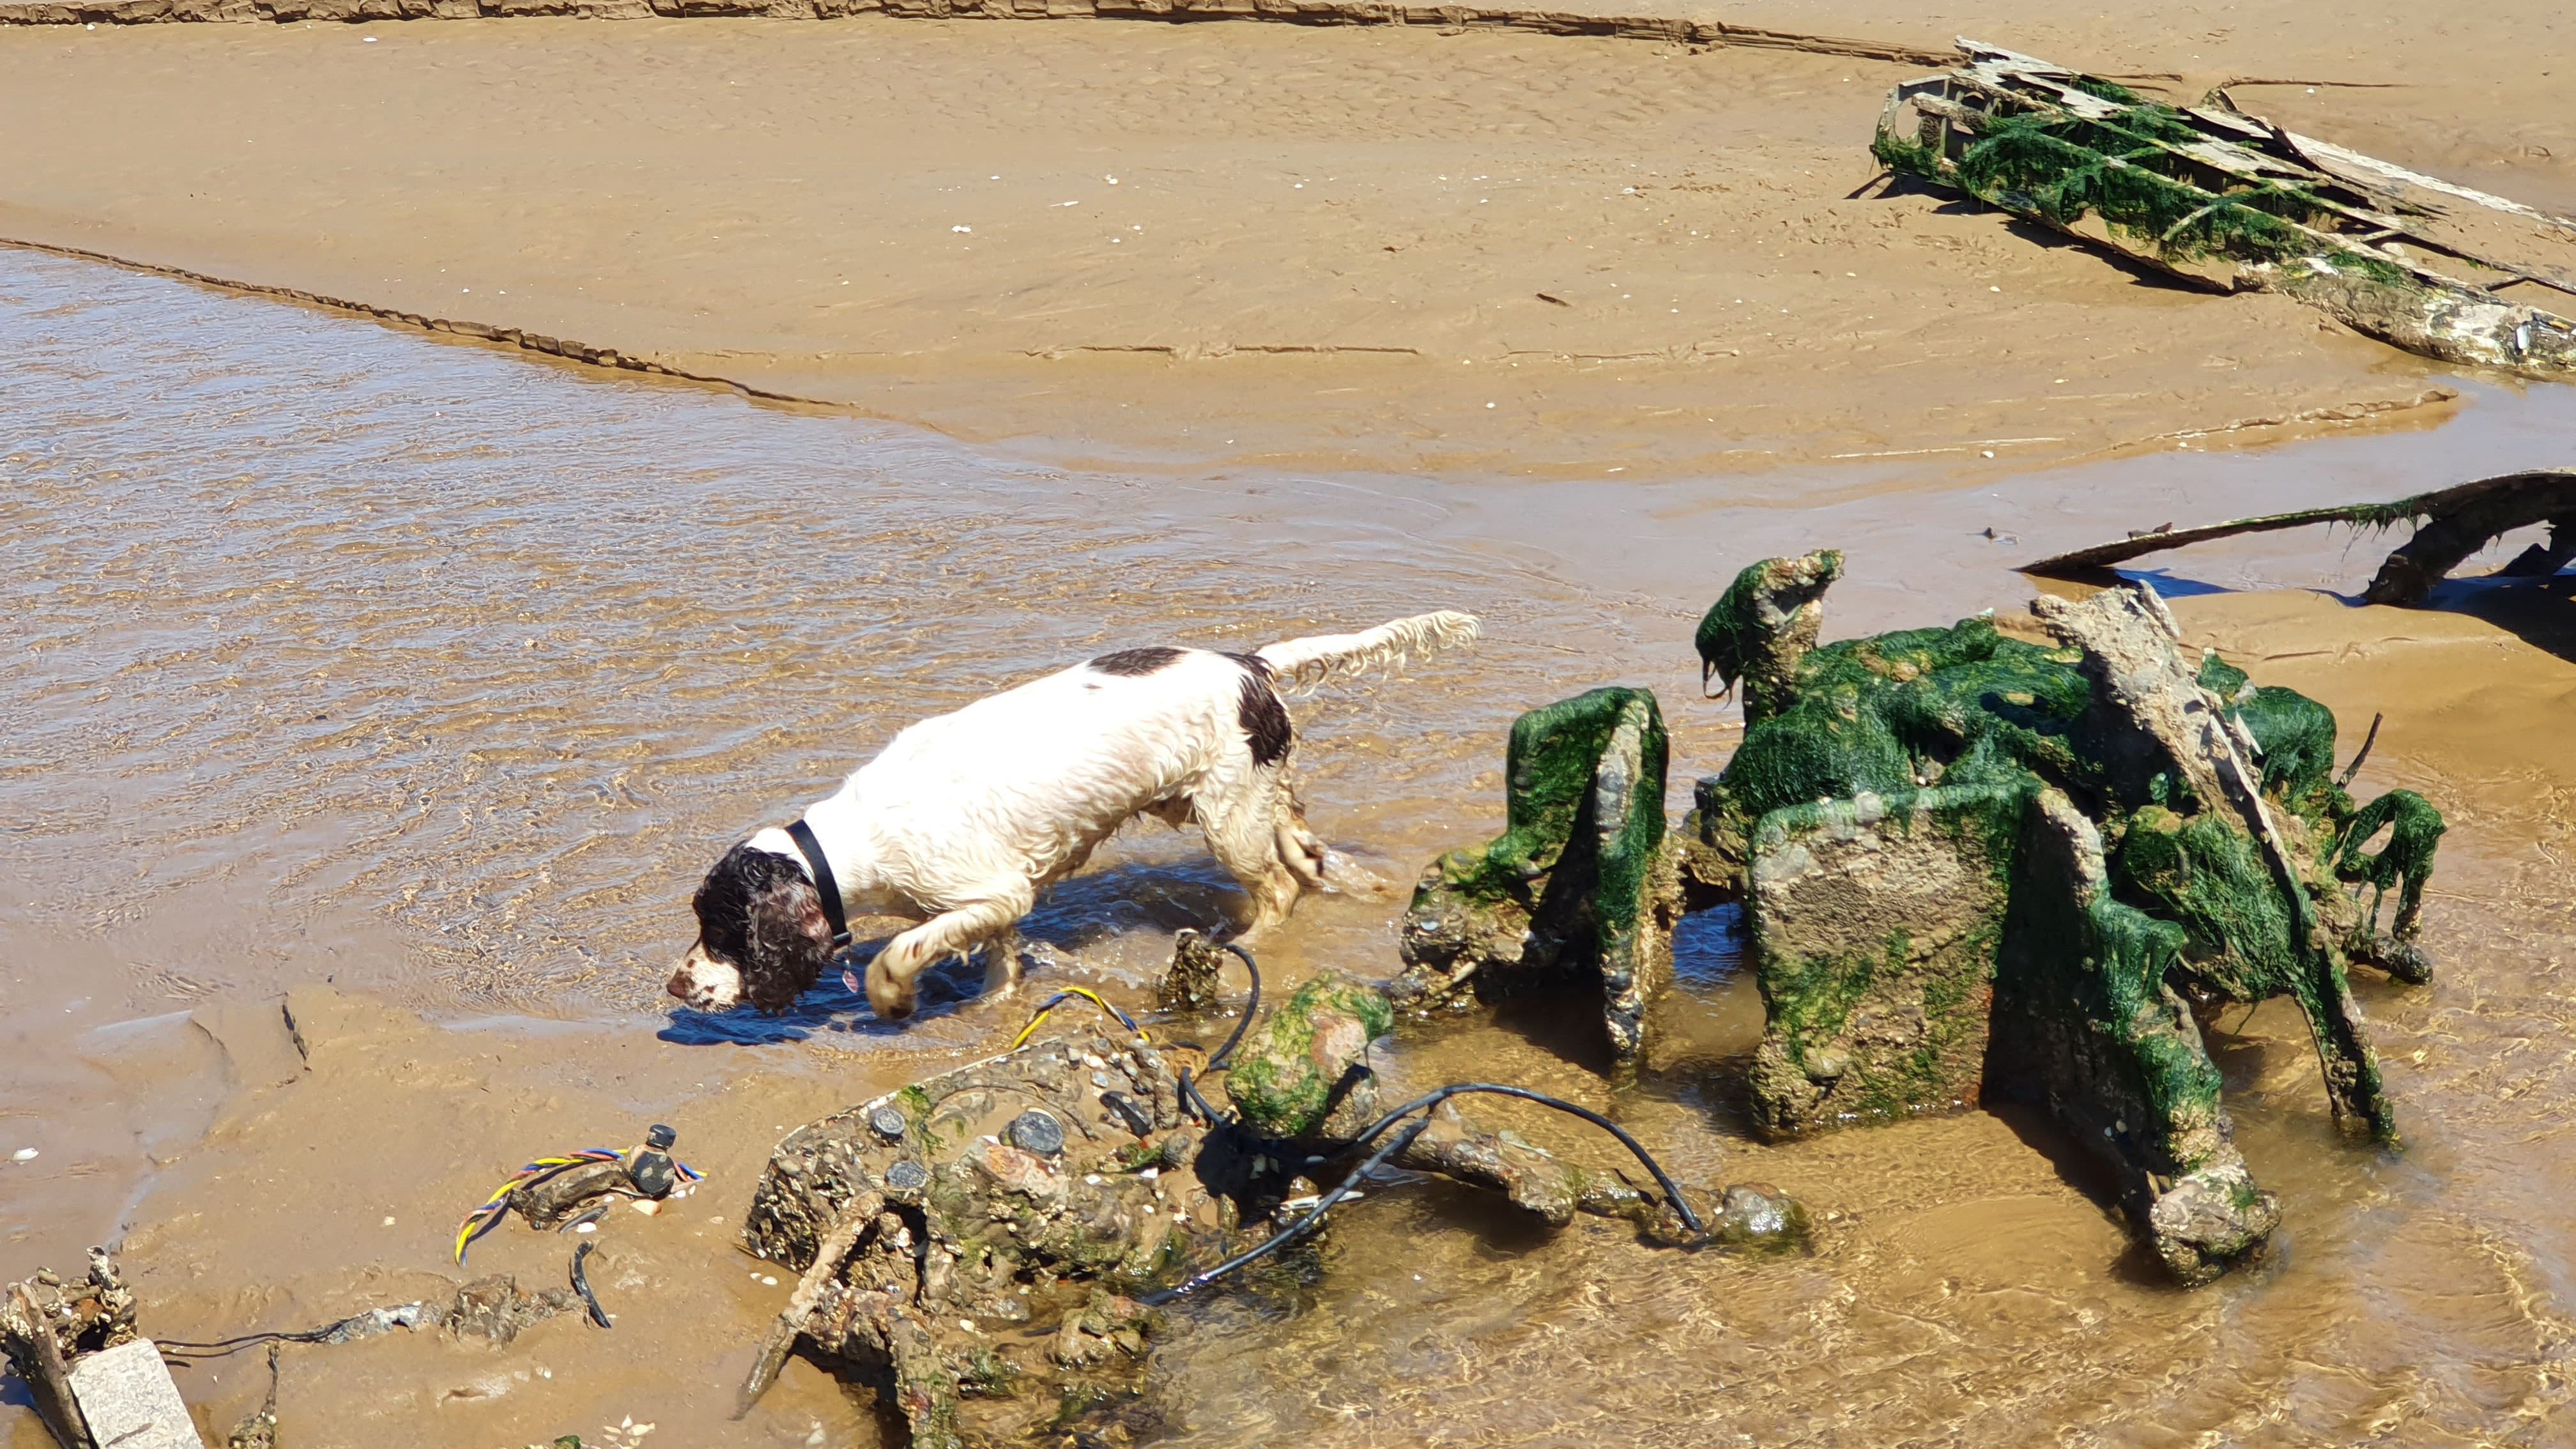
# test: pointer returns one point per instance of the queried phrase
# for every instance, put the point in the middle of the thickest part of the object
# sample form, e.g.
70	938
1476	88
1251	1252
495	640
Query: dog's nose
681	983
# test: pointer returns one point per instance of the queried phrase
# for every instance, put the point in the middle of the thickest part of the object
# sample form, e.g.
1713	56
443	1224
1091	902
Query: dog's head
762	935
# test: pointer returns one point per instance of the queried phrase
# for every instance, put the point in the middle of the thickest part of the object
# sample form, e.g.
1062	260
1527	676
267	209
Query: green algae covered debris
1295	1074
2234	203
1980	868
1876	923
1578	885
2087	1025
1756	631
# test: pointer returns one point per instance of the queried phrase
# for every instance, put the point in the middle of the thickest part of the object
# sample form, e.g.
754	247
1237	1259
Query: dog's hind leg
954	932
1245	835
1299	850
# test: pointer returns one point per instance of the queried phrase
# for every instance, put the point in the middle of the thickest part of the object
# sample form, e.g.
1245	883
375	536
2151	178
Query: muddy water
339	653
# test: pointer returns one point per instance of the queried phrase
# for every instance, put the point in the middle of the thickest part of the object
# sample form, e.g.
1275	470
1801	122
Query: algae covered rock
1759	630
1304	1073
1884	715
2228	871
1578	888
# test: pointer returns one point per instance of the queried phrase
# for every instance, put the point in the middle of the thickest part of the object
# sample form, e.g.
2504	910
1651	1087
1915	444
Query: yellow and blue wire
496	1207
1087	994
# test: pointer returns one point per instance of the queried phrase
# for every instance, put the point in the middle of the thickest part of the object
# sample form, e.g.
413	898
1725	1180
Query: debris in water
47	1327
581	1285
1017	1224
1195	980
2231	202
1979	868
258	1428
577	1188
2450	524
1578	886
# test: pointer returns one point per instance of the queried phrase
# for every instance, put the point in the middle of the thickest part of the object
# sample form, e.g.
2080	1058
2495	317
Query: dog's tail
1311	661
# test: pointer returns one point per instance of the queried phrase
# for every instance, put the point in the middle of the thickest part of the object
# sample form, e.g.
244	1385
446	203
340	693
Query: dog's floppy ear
791	942
760	911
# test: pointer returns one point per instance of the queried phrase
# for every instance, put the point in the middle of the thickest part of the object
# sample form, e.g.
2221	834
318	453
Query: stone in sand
126	1395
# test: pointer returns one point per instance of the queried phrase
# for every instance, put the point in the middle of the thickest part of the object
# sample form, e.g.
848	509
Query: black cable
581	1285
1251	1008
1313	1219
1672	1190
179	1348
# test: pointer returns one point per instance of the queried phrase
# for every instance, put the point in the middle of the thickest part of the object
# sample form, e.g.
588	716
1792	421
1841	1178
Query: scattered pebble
23	1154
577	1227
961	228
389	1222
767	1281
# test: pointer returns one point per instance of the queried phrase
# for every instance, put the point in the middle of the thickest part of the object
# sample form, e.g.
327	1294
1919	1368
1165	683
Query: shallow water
337	651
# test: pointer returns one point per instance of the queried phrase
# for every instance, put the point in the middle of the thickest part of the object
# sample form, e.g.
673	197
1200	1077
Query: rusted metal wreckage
2231	202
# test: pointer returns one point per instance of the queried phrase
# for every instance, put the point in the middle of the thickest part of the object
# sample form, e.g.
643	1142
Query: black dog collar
829	888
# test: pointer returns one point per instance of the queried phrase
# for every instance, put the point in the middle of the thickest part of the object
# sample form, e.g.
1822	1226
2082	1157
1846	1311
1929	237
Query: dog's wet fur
963	818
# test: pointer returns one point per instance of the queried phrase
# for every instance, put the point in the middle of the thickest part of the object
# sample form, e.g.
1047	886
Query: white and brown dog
964	818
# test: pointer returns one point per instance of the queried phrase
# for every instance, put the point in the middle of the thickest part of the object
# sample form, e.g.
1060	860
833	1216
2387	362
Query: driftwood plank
2451	523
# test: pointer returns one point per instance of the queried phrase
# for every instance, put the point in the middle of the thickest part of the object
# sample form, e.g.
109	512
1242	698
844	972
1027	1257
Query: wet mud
375	702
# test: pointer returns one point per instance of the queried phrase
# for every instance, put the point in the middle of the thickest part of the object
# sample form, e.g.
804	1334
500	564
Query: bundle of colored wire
494	1208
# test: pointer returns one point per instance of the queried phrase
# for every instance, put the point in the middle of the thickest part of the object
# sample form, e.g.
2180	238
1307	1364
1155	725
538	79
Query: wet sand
1131	244
401	689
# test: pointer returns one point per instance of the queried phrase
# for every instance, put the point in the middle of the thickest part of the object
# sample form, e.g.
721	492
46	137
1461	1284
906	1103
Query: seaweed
2406	861
2226	202
1578	885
